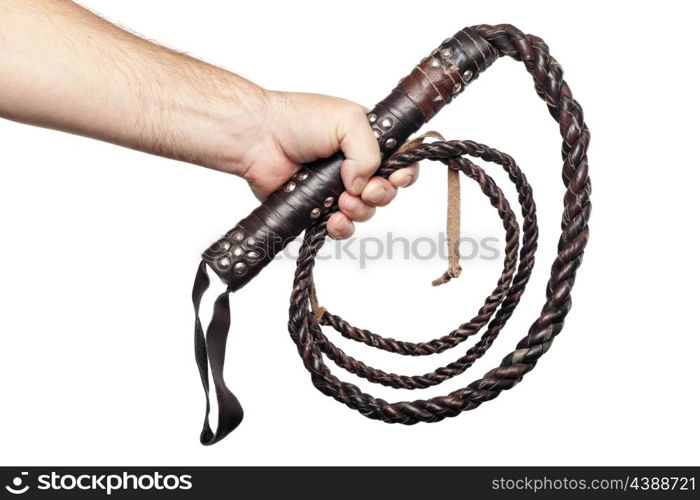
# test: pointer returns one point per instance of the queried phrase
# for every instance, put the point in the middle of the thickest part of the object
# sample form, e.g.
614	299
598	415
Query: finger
379	192
361	150
404	177
354	208
272	178
340	226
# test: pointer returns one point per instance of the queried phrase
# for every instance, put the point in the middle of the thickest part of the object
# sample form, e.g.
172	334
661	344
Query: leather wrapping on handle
242	253
254	241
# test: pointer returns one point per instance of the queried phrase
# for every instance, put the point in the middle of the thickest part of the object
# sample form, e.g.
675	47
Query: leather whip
306	201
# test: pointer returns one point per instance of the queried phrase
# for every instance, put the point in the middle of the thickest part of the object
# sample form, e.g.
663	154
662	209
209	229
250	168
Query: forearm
65	68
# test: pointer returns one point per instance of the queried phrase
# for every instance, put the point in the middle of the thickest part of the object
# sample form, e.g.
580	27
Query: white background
100	244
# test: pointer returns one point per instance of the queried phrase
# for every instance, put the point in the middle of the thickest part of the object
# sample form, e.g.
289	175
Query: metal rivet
301	176
456	88
225	245
239	268
390	143
238	236
434	63
237	252
446	52
372	117
386	123
225	262
377	133
467	75
290	187
328	201
315	213
250	242
252	255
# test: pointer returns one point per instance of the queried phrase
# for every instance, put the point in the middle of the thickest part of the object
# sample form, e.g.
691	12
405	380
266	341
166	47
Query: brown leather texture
317	351
439	78
419	96
247	248
393	120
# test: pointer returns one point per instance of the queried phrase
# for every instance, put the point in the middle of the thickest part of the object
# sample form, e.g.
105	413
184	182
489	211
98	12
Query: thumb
361	150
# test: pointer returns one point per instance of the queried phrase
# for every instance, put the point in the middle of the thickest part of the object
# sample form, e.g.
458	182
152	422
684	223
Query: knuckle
356	112
372	157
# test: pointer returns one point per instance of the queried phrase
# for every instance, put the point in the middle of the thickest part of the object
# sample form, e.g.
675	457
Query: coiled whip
308	199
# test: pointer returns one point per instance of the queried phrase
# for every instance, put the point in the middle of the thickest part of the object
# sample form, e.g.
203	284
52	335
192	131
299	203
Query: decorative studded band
308	199
437	79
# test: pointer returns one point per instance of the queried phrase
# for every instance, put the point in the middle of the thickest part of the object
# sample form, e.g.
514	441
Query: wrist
218	117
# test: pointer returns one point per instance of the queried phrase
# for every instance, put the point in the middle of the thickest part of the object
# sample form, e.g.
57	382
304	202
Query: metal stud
377	133
390	143
238	236
434	63
240	268
301	176
289	187
252	255
457	87
446	52
467	75
372	117
225	245
225	262
237	252
315	213
386	123
250	241
328	201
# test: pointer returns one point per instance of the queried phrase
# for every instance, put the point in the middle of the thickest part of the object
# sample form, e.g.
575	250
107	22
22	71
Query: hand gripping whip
306	201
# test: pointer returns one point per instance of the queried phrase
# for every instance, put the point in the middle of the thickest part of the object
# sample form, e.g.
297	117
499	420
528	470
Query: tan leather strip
317	309
415	141
454	269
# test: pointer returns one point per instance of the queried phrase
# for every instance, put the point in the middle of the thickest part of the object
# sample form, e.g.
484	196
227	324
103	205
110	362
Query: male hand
293	129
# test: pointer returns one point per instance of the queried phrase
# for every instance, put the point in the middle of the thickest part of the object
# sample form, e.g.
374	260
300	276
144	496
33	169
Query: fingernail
406	181
344	229
358	185
375	194
347	228
352	204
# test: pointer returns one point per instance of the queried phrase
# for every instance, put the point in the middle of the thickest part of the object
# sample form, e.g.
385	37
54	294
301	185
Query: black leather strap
211	350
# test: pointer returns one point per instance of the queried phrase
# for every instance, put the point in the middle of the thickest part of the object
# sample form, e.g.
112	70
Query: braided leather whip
467	49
